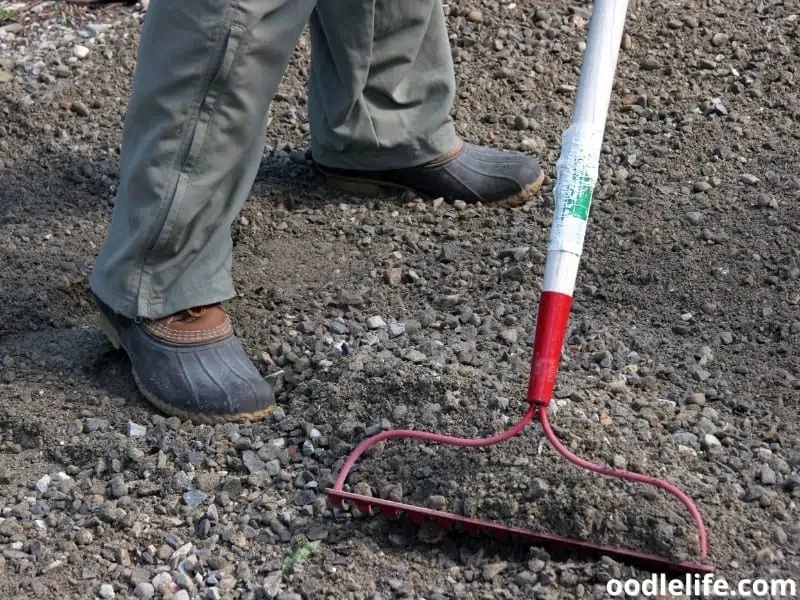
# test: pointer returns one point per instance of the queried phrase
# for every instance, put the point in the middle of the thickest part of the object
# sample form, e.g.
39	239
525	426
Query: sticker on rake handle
575	193
577	171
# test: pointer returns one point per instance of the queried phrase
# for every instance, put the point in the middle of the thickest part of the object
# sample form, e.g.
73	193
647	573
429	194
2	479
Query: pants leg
193	139
381	84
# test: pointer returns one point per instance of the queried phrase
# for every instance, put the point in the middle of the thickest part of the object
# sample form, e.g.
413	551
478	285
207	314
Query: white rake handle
576	176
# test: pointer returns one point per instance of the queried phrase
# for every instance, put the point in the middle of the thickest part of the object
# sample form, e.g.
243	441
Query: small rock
252	462
106	591
399	412
694	217
430	414
691	21
189	564
768	476
194	498
92	424
396	330
526	578
392	491
707	64
765	556
80	52
415	356
161	580
475	16
376	322
338	328
649	64
80	109
515	273
144	590
136	430
272	584
43	484
317	532
430	532
305	497
749	179
521	122
500	402
780	535
537	489
492	570
698	398
437	502
753	493
307	448
448	253
685	438
394	276
207	482
720	39
118	487
509	336
83	537
348	298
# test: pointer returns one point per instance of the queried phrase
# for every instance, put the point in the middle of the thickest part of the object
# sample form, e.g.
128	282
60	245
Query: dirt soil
681	359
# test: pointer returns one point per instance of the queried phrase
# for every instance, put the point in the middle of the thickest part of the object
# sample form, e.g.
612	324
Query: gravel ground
682	357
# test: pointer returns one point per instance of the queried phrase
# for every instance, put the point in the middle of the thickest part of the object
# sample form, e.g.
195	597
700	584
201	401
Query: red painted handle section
551	326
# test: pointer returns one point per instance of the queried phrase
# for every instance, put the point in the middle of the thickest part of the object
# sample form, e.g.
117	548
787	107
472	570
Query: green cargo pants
380	91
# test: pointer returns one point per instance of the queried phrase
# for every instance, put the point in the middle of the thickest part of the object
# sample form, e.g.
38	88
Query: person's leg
380	94
193	139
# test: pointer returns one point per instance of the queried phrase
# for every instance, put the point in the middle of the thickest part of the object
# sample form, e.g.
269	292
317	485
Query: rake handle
577	173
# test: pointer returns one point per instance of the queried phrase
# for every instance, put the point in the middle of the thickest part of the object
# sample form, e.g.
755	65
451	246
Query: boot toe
496	176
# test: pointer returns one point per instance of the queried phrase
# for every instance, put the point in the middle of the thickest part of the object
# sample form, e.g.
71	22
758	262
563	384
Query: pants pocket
207	109
215	88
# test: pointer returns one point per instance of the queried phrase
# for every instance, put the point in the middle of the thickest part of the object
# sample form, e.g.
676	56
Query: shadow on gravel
54	210
53	214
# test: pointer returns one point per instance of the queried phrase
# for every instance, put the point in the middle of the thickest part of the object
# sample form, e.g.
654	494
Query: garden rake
577	174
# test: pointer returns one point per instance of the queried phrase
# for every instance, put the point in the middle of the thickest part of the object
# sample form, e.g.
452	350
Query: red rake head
452	522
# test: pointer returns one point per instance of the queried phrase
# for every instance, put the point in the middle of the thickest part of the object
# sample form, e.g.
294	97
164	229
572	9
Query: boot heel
105	326
358	187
